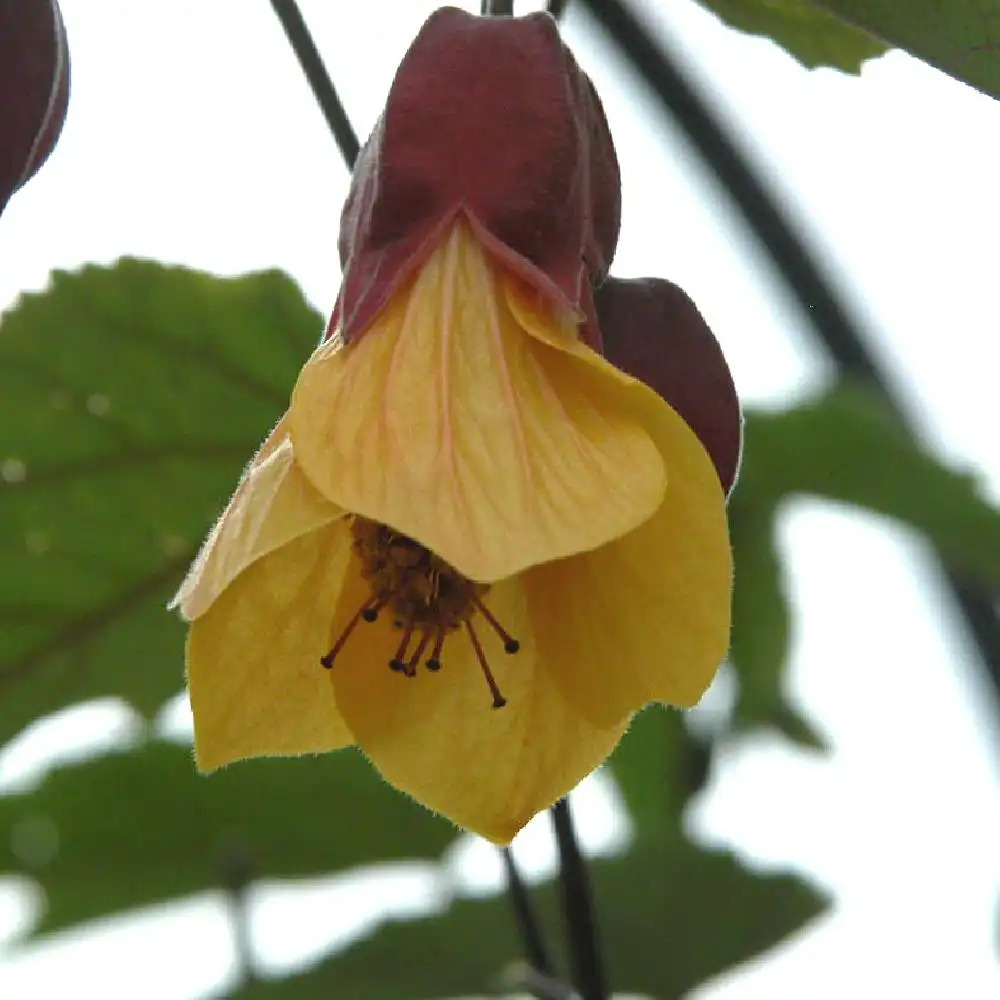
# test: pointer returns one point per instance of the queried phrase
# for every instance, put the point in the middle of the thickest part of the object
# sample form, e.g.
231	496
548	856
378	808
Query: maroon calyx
491	118
654	332
34	88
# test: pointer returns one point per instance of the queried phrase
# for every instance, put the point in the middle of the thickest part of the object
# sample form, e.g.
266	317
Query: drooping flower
472	546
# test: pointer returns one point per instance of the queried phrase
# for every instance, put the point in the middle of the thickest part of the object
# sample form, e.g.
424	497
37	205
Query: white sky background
192	138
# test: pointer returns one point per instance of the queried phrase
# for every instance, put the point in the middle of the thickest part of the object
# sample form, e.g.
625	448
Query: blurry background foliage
130	398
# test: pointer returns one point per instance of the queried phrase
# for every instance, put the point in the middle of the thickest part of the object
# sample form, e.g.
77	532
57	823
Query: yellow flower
542	538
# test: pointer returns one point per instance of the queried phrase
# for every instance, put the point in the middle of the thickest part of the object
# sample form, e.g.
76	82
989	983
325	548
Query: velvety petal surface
437	736
257	686
447	422
273	504
646	617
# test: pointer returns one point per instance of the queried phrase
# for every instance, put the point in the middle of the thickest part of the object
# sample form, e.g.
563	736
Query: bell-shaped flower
472	546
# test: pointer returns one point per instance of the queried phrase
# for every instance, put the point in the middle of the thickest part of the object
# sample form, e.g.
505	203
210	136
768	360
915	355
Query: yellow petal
437	736
445	421
646	617
273	504
257	686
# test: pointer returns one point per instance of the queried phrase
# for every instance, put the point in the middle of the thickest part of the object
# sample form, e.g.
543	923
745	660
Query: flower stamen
367	612
411	667
498	699
399	662
510	644
434	663
425	595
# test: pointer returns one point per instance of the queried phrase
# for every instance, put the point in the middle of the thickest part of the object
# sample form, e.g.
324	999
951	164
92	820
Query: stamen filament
498	699
434	663
411	667
370	607
398	662
375	605
510	644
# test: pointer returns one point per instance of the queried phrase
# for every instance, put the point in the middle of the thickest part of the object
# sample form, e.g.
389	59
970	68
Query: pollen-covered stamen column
425	595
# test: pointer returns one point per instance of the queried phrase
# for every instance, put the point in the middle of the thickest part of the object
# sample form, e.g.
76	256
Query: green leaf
813	36
462	952
961	37
846	447
674	915
130	829
658	766
671	916
130	398
761	617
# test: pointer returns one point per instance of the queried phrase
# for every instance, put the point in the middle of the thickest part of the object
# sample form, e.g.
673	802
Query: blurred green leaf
461	952
671	917
761	619
658	766
846	447
130	829
814	36
961	37
130	398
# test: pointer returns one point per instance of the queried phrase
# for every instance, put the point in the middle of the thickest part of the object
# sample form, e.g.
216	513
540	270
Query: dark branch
537	953
556	8
497	7
578	908
822	307
319	80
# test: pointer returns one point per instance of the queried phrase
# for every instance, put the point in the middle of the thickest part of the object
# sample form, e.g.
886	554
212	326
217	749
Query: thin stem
525	979
236	871
497	7
823	308
556	8
319	80
578	908
537	952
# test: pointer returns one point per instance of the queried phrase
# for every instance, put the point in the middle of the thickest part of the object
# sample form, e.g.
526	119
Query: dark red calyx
34	88
654	332
489	117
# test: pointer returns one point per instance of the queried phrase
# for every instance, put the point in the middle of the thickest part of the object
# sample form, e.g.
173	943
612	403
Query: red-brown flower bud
653	331
493	118
34	88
